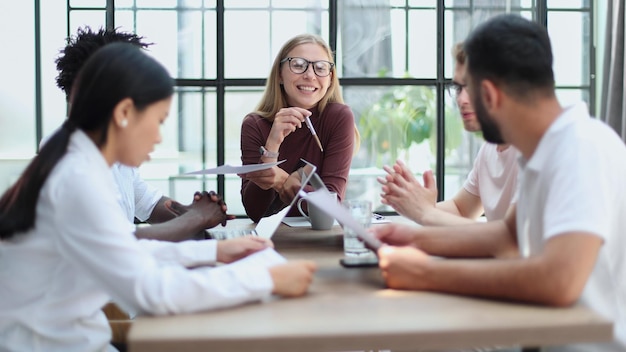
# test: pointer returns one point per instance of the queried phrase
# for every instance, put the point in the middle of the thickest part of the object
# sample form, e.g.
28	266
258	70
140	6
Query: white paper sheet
268	225
230	169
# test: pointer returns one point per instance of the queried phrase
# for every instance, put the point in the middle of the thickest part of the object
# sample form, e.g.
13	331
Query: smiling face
306	89
143	131
470	122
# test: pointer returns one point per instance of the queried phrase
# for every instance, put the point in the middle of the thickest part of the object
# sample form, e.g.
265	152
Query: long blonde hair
274	97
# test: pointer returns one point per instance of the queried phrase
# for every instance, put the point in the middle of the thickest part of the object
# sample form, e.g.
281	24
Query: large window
393	59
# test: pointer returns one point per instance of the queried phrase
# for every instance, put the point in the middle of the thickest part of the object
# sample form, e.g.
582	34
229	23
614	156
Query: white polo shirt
575	182
494	179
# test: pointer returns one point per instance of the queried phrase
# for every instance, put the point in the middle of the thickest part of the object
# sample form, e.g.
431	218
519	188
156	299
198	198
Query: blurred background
393	59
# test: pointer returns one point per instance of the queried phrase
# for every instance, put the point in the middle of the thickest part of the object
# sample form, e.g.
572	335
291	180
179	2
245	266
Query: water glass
361	211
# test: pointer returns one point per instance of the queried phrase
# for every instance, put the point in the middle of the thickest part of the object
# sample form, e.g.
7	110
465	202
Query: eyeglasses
455	89
298	65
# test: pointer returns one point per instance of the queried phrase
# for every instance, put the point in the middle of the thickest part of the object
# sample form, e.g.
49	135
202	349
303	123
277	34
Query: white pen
307	120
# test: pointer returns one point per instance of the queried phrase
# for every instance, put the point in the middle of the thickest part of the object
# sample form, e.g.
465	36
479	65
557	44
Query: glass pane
182	187
422	39
459	24
238	103
569	35
567	4
125	21
395	122
423	3
300	4
569	97
53	36
17	94
456	3
247	53
286	24
88	3
246	4
366	40
123	4
81	18
157	3
398	52
210	45
190	49
161	28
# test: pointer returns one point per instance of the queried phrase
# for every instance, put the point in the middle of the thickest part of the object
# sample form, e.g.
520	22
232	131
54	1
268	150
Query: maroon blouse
335	129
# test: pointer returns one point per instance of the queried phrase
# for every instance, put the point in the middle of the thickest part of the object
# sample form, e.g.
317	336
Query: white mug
319	220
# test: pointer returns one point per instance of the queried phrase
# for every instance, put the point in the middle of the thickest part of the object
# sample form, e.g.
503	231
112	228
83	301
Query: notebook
267	225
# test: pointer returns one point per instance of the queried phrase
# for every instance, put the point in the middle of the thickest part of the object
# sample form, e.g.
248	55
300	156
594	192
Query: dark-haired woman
67	247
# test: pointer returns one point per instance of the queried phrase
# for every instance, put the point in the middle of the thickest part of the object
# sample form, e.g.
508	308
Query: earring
124	123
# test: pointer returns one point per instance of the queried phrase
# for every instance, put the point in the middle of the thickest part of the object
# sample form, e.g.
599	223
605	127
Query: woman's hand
286	121
292	279
234	249
273	178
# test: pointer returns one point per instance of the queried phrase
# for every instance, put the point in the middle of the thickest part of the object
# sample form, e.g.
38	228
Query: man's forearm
474	240
160	213
175	230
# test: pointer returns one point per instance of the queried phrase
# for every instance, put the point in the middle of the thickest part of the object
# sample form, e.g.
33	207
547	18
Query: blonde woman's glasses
298	65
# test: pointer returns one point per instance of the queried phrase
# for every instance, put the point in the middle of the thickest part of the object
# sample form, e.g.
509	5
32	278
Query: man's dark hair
81	46
514	53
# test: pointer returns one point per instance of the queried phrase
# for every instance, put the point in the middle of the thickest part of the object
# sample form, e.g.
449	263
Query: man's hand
234	249
207	209
395	234
403	192
403	268
292	279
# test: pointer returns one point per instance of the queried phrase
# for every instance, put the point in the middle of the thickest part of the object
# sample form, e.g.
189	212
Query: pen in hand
307	120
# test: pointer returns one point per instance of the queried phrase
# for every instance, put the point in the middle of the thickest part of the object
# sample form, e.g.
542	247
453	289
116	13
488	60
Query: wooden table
350	309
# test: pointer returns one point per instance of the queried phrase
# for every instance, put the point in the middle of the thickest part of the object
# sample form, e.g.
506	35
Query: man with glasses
489	188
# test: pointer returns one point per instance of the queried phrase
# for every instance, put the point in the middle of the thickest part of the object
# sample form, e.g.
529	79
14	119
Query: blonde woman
302	83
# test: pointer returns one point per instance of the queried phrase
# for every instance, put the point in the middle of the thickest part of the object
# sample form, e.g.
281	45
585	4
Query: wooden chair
120	323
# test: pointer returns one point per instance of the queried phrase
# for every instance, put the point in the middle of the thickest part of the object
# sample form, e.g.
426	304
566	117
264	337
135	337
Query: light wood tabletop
350	309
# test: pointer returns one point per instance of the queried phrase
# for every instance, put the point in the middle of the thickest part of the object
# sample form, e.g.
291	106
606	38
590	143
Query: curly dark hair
80	47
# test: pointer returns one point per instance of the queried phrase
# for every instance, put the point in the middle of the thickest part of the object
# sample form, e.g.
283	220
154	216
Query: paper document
268	225
229	169
322	199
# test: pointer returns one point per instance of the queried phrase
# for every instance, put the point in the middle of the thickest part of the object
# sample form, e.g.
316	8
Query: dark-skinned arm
206	211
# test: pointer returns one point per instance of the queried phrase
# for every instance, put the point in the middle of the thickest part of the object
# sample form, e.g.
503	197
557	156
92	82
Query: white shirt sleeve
96	238
188	253
146	196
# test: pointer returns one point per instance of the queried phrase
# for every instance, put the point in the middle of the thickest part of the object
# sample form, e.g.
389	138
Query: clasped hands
207	208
